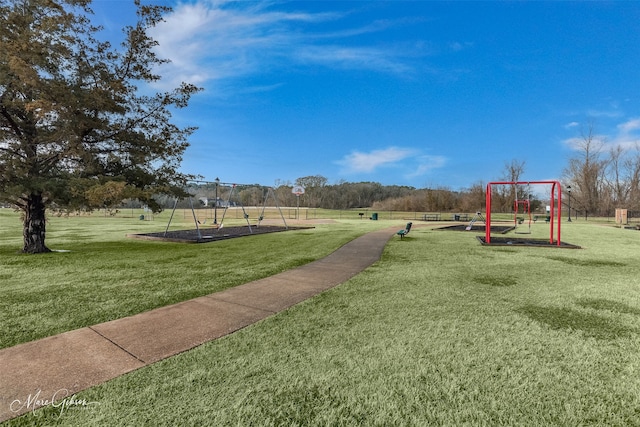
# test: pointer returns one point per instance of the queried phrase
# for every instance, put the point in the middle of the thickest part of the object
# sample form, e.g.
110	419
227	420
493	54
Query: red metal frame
555	186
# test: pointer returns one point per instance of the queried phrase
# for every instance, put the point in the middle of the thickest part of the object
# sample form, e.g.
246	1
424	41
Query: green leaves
70	107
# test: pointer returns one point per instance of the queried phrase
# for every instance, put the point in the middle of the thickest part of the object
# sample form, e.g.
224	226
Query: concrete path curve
36	373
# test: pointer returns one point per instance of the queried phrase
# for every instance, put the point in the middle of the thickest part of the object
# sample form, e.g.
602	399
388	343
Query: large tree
505	195
72	116
586	171
313	185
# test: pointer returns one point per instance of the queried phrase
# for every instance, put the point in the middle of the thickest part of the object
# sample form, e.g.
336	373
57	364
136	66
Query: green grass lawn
441	331
107	276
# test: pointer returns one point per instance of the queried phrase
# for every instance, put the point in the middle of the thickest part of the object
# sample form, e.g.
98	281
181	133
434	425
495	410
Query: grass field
441	331
106	276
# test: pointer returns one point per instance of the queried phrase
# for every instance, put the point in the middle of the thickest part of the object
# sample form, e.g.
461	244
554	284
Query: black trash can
374	216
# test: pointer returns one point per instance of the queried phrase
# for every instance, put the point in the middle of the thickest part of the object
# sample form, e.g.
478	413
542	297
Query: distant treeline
353	195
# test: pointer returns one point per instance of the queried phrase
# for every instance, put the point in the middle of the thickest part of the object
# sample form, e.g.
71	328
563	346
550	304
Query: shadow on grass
591	325
605	304
587	262
500	281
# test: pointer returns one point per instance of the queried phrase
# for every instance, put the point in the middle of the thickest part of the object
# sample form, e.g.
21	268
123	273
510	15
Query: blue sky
419	93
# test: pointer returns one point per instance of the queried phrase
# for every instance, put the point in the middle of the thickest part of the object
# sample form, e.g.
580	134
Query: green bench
405	231
546	218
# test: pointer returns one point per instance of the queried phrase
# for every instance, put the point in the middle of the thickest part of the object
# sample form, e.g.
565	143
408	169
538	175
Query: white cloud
604	113
577	143
459	46
350	57
209	41
626	135
358	162
408	159
629	126
427	164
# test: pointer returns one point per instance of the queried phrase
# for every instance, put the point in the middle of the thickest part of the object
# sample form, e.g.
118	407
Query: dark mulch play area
211	234
518	241
506	241
478	228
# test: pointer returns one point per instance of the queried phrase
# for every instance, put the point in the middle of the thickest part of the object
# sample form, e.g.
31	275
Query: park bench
546	218
405	231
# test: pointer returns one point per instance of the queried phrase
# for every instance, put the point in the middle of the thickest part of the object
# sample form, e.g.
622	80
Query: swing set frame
245	215
556	193
233	186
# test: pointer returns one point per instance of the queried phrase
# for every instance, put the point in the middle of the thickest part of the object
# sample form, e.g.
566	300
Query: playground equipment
271	193
477	217
197	223
526	204
555	188
245	215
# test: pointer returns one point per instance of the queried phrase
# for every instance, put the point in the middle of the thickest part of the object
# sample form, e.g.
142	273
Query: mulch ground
208	234
477	228
516	241
507	241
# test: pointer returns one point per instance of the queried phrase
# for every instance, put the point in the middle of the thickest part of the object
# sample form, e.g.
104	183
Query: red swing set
526	210
555	188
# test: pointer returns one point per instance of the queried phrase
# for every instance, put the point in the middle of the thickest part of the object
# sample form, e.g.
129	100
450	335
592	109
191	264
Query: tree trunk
34	225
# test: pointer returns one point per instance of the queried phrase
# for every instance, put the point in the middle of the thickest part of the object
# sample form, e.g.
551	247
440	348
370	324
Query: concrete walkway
34	374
